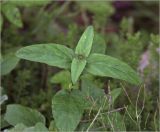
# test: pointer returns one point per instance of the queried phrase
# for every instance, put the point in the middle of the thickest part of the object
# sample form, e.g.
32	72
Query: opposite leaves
103	65
96	64
51	54
82	51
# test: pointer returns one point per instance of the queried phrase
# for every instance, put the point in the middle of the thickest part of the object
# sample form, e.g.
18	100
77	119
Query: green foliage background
34	84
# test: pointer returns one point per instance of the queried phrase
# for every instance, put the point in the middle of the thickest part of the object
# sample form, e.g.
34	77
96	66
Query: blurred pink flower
144	62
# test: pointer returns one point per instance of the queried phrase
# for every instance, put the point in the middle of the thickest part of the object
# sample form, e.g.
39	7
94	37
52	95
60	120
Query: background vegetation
130	31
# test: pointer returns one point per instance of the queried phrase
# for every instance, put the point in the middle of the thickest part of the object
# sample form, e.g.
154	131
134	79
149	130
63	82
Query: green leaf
51	54
39	127
18	128
67	108
85	43
96	96
103	65
77	67
12	13
99	45
115	93
105	7
8	63
20	114
64	78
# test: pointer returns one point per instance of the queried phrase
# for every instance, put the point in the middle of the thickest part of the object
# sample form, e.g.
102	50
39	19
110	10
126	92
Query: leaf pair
82	60
82	51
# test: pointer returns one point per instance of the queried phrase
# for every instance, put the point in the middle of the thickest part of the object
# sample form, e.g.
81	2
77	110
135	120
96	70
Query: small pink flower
144	62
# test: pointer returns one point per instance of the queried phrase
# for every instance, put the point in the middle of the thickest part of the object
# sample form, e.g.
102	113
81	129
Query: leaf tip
90	28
